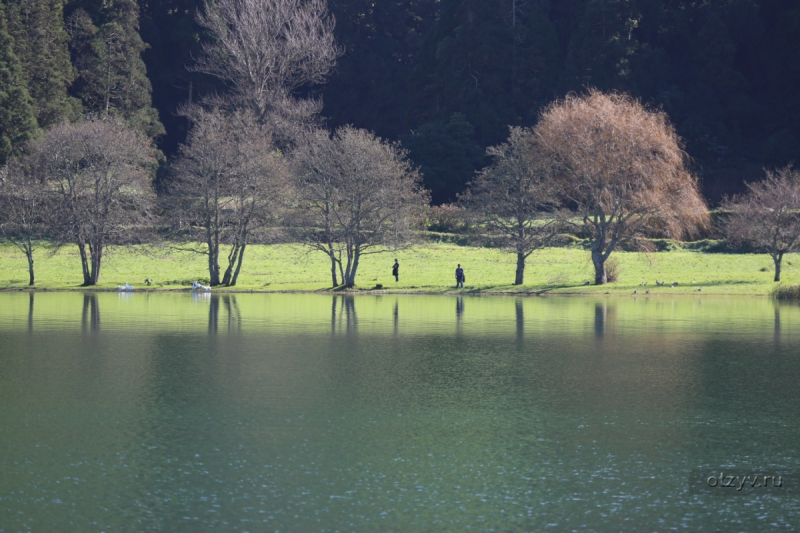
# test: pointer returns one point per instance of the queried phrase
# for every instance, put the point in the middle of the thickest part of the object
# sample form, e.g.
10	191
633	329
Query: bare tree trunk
87	279
238	265
520	268
96	253
233	257
212	238
213	261
333	269
29	255
334	263
236	257
599	267
346	274
213	267
777	258
352	266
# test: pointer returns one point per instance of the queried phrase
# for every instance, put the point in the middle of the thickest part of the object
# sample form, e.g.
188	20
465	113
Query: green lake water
305	413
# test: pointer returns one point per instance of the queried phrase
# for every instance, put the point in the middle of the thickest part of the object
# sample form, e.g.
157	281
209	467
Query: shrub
781	292
448	218
612	269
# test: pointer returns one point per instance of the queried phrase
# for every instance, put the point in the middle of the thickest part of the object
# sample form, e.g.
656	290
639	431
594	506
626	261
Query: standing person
460	277
396	271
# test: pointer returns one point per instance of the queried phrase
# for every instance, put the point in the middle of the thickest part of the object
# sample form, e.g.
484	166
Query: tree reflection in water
604	316
30	312
232	311
344	307
520	315
90	316
459	313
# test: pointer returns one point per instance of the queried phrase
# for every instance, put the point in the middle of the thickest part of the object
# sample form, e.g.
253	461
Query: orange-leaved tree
620	169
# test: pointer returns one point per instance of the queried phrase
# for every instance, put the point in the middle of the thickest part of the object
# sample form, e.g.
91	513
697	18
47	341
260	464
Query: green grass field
427	268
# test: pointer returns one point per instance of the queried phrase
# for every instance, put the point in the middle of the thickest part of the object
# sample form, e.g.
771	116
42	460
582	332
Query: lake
304	413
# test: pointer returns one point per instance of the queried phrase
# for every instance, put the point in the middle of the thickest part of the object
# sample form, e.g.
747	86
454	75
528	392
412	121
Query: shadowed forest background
447	77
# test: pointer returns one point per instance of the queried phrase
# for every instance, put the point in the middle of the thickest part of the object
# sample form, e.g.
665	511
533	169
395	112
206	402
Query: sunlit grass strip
425	268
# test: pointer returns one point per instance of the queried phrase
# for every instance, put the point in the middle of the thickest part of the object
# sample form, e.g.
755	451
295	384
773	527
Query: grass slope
425	268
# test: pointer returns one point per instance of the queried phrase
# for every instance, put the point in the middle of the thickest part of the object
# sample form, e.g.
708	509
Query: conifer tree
112	76
42	46
17	122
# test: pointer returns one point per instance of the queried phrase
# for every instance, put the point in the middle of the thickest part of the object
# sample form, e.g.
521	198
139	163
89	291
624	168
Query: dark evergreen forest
445	77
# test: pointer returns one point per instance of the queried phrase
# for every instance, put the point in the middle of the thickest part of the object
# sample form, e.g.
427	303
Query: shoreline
381	292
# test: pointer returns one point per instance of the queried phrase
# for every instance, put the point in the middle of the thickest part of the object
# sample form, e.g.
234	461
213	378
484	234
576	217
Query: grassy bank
425	268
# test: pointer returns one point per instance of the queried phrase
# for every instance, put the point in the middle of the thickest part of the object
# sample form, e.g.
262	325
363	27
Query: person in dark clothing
396	270
460	277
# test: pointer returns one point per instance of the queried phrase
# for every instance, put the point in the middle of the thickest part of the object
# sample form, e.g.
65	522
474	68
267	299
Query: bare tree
100	172
316	189
512	196
621	167
23	209
767	217
266	49
230	180
358	195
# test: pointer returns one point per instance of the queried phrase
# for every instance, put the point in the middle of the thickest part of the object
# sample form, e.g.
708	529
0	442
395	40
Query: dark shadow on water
531	290
778	328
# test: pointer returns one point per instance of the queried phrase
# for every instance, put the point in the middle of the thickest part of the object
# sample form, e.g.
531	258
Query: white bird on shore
199	287
125	288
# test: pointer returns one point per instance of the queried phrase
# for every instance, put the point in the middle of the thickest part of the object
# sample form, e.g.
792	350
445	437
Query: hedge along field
424	268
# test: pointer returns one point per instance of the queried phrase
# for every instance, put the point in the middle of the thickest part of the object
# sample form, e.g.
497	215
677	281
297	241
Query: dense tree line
725	71
252	146
446	77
